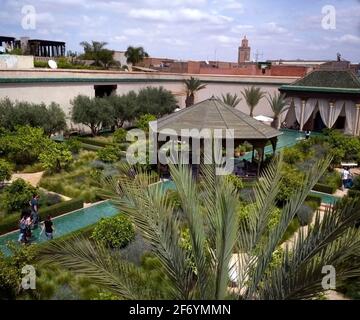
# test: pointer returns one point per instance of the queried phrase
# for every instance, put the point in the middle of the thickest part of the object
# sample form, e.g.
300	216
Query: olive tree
91	112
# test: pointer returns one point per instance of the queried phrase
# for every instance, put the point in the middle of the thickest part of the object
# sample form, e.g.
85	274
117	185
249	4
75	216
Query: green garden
173	243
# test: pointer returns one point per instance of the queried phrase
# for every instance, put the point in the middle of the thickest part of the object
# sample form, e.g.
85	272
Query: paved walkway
32	178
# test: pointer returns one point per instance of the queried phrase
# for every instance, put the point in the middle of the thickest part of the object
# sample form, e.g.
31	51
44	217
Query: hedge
12	223
90	147
94	142
324	188
354	193
314	198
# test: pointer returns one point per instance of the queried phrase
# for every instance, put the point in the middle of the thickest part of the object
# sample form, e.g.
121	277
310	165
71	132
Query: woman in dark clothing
48	226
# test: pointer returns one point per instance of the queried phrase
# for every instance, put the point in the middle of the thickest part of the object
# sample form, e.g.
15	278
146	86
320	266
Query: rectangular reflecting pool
326	198
67	223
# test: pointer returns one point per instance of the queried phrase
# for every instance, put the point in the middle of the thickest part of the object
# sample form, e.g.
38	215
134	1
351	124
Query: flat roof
49	42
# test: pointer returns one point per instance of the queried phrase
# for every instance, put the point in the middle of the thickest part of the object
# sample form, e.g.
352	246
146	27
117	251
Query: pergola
46	48
9	42
325	98
214	114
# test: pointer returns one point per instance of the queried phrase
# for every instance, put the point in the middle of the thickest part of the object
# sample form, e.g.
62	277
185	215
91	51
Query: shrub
291	181
156	100
356	183
73	144
5	170
354	193
11	269
115	232
109	154
305	214
55	157
94	142
17	195
324	188
49	199
292	155
236	181
315	199
331	178
25	145
119	135
143	122
61	208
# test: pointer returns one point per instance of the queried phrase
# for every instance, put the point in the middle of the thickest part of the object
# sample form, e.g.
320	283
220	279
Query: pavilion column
331	112
357	121
303	104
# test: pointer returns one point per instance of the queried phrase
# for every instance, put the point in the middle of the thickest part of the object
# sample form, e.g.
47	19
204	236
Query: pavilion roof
326	81
214	114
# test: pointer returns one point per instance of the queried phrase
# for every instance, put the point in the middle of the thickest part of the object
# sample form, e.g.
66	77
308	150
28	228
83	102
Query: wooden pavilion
214	114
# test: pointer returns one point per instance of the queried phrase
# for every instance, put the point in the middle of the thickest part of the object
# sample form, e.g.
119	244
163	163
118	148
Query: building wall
39	86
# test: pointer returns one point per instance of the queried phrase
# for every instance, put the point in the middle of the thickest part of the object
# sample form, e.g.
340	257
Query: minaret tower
244	51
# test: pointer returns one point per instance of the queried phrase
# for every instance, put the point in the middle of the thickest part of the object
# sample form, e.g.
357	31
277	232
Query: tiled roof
214	114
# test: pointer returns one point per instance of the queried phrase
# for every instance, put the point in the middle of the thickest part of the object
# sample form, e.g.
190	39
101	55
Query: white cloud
350	39
181	15
119	39
224	39
273	27
45	18
242	28
175	42
134	32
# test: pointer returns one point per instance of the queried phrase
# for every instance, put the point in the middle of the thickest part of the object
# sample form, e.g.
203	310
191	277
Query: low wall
9	61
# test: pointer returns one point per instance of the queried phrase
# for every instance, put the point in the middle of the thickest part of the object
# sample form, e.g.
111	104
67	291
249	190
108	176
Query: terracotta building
244	51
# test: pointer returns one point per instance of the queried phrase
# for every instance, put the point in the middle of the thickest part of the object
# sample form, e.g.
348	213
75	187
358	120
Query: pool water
325	198
67	223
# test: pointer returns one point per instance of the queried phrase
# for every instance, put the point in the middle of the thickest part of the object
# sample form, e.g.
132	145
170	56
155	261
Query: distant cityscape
48	49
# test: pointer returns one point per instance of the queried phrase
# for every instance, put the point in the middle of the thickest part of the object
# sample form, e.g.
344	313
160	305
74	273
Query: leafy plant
119	136
109	154
5	170
55	157
231	100
11	269
143	122
211	217
17	195
24	145
73	144
115	232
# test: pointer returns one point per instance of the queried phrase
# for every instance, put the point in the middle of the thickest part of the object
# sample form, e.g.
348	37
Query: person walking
22	227
34	204
345	178
48	226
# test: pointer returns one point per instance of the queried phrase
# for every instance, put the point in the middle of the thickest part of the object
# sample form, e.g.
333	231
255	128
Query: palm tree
92	50
135	55
192	86
278	106
252	96
217	234
231	100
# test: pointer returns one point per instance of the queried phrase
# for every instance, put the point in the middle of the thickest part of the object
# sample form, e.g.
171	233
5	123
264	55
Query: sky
194	29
